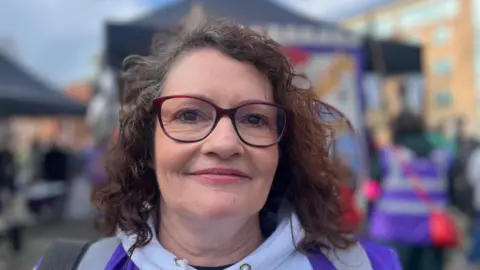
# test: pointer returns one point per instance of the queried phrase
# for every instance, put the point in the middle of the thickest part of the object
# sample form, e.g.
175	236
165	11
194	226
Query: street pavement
39	238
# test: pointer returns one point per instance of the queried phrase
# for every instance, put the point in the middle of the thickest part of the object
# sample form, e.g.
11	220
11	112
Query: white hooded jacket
277	252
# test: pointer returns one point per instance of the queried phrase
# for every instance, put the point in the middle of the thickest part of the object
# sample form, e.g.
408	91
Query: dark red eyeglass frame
220	112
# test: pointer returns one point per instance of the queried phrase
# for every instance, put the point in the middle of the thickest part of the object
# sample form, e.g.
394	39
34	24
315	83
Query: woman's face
185	190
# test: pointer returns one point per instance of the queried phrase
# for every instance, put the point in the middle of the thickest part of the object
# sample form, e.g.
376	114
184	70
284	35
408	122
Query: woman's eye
254	120
188	116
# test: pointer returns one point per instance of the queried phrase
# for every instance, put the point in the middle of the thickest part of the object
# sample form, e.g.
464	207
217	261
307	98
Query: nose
223	141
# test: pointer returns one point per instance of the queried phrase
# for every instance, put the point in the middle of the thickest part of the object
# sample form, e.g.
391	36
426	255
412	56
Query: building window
429	12
360	28
411	18
450	8
442	36
443	67
414	40
384	28
443	99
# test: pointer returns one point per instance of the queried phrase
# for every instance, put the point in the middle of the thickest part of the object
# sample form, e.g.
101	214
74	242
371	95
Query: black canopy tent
21	94
135	37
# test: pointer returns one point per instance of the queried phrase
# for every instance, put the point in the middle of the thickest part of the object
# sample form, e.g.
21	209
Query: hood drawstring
183	264
245	266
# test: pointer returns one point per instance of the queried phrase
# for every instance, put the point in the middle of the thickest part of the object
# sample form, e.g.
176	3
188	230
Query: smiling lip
220	175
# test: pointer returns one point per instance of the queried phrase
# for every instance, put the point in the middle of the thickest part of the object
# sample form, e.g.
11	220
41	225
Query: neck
208	243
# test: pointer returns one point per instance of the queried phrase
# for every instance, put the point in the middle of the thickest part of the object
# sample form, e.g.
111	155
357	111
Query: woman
221	164
401	215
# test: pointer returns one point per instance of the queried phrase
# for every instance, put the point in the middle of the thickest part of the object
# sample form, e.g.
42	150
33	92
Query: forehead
211	74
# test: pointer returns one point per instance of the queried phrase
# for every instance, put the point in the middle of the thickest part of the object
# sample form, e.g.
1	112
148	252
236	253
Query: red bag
443	228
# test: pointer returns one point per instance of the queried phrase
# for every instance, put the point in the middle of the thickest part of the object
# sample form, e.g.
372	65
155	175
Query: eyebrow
236	105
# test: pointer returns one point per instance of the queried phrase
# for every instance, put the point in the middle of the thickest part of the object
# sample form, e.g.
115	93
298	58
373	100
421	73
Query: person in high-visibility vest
400	217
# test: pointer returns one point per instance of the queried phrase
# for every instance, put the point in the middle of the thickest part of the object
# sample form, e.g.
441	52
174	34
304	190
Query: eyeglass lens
190	119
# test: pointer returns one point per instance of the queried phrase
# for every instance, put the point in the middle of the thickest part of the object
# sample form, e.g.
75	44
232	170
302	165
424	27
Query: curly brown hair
306	176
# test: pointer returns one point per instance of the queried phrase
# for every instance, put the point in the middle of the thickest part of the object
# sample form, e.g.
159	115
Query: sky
58	39
332	10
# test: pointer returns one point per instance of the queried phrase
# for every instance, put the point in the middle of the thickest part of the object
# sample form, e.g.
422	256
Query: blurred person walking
415	179
33	162
371	187
473	179
95	165
48	195
463	193
8	190
7	170
94	170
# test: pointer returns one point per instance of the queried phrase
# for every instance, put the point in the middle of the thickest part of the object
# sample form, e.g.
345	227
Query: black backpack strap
64	255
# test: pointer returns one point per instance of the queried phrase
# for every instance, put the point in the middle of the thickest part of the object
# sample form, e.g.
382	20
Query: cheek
268	160
170	157
265	162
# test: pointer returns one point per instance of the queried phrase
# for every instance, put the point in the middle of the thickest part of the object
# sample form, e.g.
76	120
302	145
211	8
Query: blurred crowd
46	184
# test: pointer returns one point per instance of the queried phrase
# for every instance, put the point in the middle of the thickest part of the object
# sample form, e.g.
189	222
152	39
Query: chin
216	214
220	208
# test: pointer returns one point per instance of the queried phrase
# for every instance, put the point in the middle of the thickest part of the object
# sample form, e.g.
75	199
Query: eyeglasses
190	119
